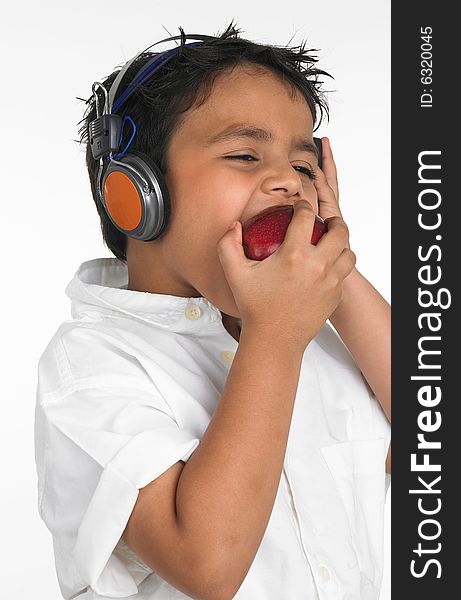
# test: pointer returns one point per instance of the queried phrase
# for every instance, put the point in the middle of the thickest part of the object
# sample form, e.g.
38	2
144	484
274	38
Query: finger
345	263
334	240
325	193
230	249
300	228
329	166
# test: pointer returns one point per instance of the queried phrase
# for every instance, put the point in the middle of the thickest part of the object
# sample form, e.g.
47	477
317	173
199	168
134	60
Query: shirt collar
99	288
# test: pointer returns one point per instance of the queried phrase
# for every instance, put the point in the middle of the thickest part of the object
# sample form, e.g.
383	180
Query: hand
326	184
292	292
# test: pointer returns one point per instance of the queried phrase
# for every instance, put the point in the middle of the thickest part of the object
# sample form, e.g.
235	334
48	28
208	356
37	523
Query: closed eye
304	170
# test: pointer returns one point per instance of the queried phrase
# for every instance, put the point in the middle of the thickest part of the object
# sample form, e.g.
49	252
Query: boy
201	431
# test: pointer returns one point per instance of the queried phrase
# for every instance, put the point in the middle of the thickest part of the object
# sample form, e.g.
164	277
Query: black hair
186	81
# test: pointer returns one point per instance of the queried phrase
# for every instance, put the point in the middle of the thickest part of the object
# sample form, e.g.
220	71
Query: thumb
230	249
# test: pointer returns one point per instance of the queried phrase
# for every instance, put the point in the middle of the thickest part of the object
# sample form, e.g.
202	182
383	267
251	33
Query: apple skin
263	233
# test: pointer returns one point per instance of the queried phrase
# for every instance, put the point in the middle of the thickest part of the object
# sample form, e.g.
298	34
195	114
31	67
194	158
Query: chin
230	310
224	301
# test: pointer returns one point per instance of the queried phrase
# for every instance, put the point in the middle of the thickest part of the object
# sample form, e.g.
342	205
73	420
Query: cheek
196	227
210	191
225	201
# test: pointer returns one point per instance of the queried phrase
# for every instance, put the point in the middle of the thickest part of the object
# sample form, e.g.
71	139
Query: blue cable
125	118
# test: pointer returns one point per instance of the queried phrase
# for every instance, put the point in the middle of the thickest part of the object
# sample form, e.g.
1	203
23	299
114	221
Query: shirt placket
297	523
325	586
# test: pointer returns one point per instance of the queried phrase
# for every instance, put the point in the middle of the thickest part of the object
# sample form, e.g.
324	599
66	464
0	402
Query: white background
51	53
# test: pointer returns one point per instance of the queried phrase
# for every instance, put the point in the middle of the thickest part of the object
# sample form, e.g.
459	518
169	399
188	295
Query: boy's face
209	190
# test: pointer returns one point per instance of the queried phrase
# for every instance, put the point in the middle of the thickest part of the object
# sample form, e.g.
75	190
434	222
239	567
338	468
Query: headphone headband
145	70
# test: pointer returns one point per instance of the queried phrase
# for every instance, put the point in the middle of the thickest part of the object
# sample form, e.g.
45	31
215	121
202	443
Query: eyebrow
240	130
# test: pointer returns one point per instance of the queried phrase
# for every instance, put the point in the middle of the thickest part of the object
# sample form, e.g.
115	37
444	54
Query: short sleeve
101	444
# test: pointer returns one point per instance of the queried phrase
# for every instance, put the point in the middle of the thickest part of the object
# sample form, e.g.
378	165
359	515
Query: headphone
131	186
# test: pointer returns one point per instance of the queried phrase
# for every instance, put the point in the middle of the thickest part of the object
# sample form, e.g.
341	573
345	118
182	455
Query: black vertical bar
426	359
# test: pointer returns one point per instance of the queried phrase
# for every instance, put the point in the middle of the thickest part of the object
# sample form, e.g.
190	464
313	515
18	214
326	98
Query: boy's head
206	90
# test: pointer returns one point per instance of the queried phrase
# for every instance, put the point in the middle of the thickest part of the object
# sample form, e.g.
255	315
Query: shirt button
227	356
193	312
324	573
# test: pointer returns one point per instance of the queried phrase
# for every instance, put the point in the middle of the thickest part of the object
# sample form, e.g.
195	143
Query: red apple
263	233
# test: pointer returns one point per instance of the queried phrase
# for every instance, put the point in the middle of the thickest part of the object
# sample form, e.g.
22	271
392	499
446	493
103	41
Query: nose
283	182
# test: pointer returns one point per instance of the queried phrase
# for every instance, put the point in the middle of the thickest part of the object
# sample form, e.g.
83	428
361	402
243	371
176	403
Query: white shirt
128	386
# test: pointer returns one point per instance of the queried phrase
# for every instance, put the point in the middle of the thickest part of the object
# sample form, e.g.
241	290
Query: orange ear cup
122	200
